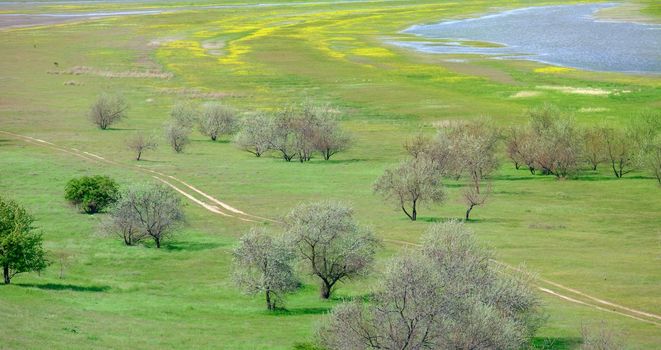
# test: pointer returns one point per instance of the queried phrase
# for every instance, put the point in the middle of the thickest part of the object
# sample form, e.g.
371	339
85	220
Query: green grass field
595	234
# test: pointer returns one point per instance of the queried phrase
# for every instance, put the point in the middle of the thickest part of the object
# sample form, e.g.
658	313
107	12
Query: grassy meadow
594	233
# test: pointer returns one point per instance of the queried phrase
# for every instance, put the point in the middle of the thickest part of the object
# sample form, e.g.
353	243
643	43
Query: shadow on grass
120	129
301	311
612	177
335	161
144	160
189	246
71	287
518	177
435	219
555	343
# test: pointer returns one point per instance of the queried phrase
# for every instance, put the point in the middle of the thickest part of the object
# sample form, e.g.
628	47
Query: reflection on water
561	35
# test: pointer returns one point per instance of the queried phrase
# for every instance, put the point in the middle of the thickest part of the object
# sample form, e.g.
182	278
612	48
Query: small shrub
92	193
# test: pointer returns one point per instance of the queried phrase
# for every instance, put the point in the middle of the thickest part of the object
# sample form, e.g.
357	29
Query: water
560	35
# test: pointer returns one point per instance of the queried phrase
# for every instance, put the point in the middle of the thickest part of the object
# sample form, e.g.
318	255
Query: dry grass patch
84	70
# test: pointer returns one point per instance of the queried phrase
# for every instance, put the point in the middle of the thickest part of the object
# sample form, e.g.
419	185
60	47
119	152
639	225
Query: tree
123	222
651	158
594	146
217	120
140	143
92	194
446	296
474	145
305	126
284	138
263	264
20	248
328	239
557	143
521	148
107	109
177	136
328	137
147	211
411	183
646	132
601	337
184	114
620	149
255	134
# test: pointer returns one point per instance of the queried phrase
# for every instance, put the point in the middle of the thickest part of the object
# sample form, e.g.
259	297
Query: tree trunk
158	242
468	212
268	300
325	290
516	165
5	273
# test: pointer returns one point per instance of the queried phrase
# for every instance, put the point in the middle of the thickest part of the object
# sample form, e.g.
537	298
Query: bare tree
419	145
646	133
217	120
284	138
305	126
557	144
184	114
140	143
147	211
513	146
122	222
328	137
448	296
652	159
600	337
107	109
330	241
621	151
255	134
177	136
474	145
263	264
410	184
594	146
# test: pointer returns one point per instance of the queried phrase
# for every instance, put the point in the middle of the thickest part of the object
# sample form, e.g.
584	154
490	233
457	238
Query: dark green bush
92	193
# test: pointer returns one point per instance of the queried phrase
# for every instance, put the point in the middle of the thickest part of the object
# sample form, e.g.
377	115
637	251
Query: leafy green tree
92	194
20	249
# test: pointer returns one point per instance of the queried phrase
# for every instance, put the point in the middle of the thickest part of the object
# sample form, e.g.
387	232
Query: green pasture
593	233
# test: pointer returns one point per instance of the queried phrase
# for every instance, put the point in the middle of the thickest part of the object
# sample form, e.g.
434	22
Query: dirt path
218	207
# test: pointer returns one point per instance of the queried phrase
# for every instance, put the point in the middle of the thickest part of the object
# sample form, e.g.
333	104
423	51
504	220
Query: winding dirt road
223	209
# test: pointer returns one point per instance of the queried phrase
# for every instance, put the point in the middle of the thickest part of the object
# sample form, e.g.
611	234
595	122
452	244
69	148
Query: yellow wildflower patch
551	70
372	52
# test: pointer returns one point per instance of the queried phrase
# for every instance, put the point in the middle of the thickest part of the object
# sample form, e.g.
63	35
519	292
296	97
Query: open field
595	234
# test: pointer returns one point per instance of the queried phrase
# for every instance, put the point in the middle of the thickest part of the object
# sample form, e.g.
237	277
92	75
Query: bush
92	194
177	136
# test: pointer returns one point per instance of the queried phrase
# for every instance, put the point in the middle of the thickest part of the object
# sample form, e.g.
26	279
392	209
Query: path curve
232	212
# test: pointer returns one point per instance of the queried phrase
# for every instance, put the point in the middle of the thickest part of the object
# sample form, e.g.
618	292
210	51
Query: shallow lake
567	35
